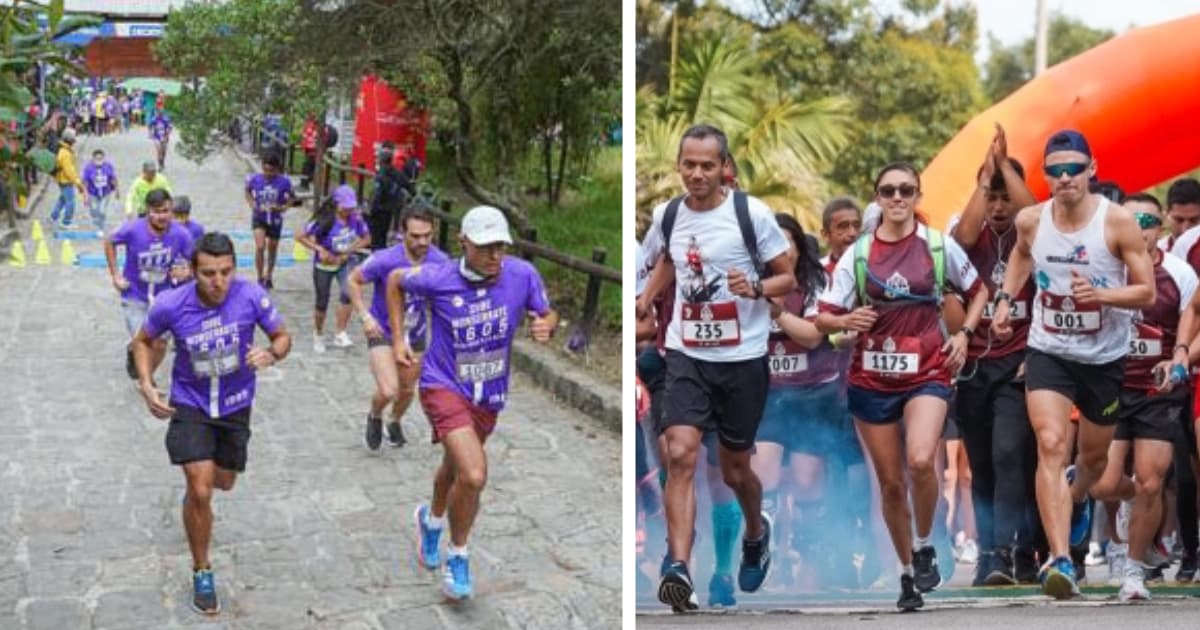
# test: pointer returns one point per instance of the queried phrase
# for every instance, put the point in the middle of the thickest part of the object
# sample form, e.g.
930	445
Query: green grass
588	216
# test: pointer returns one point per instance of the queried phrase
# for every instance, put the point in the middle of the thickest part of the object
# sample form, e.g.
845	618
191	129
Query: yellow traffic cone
42	257
68	253
36	233
17	255
300	253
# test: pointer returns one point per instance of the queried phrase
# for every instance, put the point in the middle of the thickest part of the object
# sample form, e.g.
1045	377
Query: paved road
1094	614
316	534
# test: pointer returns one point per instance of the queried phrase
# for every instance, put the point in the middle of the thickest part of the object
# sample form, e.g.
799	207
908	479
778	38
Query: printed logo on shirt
1078	256
695	287
896	285
1043	280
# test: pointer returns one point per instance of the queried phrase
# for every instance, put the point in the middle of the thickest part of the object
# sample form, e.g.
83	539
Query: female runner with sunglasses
905	361
1092	270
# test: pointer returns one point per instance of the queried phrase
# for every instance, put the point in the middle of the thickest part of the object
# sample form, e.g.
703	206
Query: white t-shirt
708	322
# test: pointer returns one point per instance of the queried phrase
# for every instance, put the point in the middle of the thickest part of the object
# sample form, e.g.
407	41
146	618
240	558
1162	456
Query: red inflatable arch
1136	98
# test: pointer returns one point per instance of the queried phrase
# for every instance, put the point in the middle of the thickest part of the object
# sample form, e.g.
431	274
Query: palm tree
779	145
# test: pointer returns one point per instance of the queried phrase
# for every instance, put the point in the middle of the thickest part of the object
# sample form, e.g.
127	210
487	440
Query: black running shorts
1155	416
192	437
274	232
728	398
1095	389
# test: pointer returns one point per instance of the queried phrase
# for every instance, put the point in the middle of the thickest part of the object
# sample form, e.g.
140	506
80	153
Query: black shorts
417	346
274	232
1095	389
950	430
1188	427
1151	417
724	397
193	437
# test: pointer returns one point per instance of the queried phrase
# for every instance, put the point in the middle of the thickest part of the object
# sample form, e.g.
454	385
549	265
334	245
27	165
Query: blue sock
727	522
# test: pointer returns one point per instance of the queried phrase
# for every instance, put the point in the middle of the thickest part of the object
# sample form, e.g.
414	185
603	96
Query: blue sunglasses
1070	169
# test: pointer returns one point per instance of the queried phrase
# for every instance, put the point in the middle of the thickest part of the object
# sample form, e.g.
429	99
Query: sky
1012	21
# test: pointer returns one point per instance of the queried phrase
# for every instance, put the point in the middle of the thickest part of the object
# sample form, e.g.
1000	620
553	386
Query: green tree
23	47
1010	67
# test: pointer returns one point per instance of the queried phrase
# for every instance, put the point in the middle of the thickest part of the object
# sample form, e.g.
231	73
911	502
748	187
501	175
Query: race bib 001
477	367
1063	315
892	355
710	324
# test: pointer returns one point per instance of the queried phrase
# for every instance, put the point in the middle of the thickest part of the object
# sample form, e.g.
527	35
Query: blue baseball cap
1068	140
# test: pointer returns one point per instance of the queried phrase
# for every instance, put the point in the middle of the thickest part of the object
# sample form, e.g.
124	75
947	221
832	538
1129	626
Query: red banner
382	113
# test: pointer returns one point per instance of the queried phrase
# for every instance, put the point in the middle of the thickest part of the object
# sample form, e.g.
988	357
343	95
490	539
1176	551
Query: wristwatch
968	331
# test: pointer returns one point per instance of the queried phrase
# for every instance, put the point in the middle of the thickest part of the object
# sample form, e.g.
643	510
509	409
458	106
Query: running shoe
427	539
1153	574
374	434
1095	556
1058	578
456	581
1133	586
720	591
910	597
268	285
395	434
925	566
318	343
675	588
756	559
343	340
968	552
1025	566
1157	555
1187	569
1002	571
204	593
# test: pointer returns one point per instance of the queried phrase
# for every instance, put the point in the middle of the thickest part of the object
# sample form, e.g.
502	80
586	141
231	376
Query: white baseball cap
484	225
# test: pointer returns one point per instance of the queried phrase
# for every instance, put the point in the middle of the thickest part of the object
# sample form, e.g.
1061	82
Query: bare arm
1138	291
395	302
798	329
142	346
658	280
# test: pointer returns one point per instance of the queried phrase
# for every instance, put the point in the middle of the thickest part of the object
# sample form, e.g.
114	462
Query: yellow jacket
135	201
65	161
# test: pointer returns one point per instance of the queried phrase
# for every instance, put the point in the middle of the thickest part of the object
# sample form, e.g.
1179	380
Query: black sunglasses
887	191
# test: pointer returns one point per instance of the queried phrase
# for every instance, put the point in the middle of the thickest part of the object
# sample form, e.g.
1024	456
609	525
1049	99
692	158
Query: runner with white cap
476	304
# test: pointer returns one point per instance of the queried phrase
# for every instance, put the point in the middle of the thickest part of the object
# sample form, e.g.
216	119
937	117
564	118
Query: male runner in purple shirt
212	385
476	303
394	382
156	257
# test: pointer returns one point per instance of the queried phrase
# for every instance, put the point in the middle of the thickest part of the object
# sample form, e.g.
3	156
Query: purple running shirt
473	326
376	270
275	191
211	343
149	257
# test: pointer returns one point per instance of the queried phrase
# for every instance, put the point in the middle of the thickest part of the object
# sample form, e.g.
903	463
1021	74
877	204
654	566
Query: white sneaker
969	553
1095	557
343	340
1118	557
1133	586
318	343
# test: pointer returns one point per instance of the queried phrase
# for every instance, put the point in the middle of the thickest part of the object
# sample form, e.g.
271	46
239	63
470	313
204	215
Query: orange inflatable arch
1135	97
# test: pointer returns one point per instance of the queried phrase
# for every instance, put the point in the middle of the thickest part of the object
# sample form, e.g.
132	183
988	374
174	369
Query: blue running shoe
427	540
456	582
756	559
720	591
1058	578
204	593
675	589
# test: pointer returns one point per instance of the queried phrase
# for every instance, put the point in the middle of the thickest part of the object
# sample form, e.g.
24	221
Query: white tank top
1084	333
